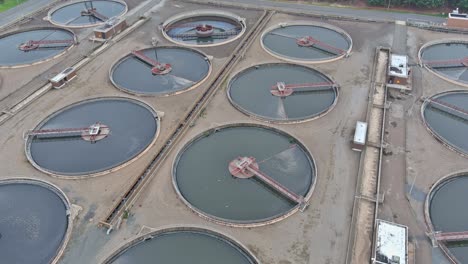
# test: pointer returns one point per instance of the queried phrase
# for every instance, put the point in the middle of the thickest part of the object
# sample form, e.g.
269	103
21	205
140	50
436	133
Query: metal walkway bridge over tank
247	167
45	44
282	89
158	68
452	236
311	42
202	31
91	11
449	108
93	133
455	63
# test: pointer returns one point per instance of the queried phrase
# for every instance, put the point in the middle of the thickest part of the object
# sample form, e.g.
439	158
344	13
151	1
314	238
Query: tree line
462	4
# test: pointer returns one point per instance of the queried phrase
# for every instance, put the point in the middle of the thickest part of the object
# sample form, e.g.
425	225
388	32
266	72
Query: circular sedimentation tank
198	246
92	137
244	175
446	117
34	45
306	42
446	212
282	92
35	224
160	71
86	13
204	28
447	59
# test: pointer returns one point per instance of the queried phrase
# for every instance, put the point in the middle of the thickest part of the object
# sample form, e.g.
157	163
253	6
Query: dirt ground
318	235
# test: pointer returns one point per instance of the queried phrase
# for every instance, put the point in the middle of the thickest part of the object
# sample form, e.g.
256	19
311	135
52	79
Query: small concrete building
457	20
398	69
112	27
360	134
398	72
62	78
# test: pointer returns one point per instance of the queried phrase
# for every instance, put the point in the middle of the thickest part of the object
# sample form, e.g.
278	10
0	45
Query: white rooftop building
391	243
399	66
360	134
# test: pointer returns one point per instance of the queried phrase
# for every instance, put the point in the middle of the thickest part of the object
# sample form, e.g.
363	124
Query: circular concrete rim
244	224
27	144
427	217
182	228
307	23
63	197
438	137
201	13
49	14
443	41
26	29
195	85
282	121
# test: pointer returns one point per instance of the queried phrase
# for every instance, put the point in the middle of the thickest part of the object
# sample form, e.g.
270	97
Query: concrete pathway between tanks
399	38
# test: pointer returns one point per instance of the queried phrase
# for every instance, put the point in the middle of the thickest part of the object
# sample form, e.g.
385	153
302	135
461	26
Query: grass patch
392	9
7	4
126	214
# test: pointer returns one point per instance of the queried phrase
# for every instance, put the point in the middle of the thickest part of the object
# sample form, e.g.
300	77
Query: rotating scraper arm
461	62
309	41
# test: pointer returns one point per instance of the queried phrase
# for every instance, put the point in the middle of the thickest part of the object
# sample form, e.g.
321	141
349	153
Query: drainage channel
130	196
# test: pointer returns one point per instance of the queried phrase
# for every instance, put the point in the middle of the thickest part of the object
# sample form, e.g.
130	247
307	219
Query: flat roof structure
109	25
361	133
391	244
398	66
61	75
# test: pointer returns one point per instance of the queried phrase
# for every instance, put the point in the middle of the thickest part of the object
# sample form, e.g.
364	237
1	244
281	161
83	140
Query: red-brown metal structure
309	41
93	12
463	62
36	44
246	167
282	89
452	236
457	109
157	67
201	31
90	133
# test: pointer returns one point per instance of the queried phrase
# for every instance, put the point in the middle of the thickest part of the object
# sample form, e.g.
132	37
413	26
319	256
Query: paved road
21	10
326	10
